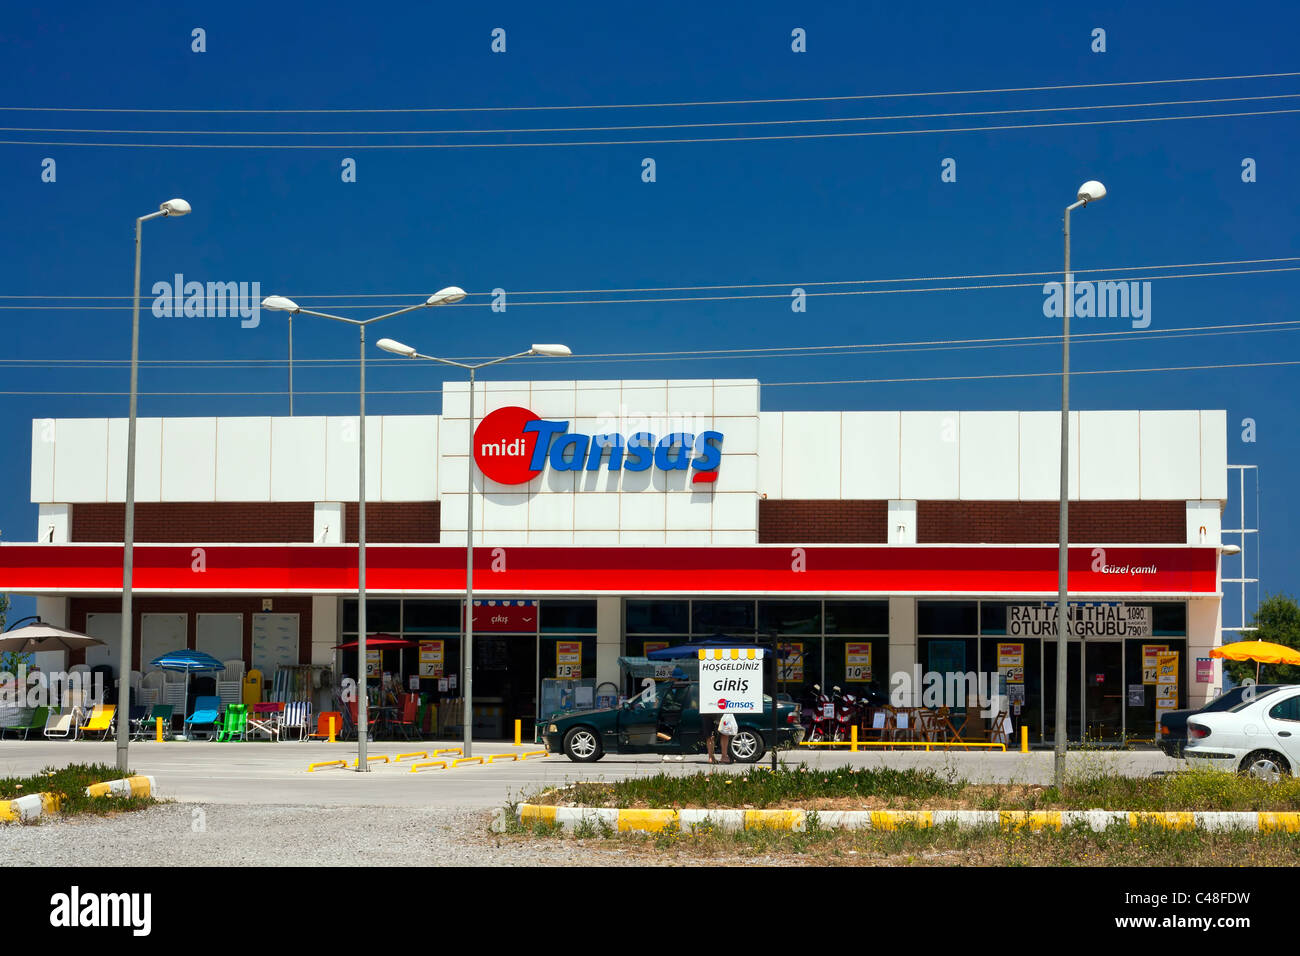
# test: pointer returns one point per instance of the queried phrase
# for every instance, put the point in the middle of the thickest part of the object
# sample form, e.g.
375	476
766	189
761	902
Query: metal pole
772	743
362	697
467	719
1063	600
291	365
128	525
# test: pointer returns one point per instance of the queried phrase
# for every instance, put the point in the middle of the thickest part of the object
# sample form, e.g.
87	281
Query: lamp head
175	207
278	303
396	347
448	296
1091	191
555	351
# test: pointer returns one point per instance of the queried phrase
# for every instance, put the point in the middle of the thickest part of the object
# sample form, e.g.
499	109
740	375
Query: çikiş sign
512	445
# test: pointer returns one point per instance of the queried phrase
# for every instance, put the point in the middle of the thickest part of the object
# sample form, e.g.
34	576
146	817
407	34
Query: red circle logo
501	447
722	703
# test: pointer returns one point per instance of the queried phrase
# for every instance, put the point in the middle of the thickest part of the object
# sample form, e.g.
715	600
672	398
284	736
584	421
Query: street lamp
172	207
278	303
1090	191
467	657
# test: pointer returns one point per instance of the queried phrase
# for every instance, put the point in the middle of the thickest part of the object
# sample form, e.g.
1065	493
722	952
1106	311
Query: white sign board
1088	620
731	681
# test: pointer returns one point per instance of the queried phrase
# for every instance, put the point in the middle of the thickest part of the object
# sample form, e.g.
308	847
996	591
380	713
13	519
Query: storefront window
722	617
789	617
946	617
431	617
382	617
569	616
857	617
658	617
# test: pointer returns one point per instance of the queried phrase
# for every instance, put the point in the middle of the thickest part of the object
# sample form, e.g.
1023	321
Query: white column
902	648
609	639
324	628
1204	619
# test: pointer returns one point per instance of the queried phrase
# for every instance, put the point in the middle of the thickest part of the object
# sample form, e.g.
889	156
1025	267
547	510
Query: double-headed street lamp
172	207
467	655
279	303
1090	191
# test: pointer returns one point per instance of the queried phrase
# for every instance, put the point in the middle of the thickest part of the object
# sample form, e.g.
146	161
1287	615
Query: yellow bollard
519	730
331	730
853	738
157	729
1024	739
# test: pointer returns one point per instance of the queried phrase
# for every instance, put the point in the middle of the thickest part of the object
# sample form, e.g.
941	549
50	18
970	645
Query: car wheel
583	745
746	745
1266	765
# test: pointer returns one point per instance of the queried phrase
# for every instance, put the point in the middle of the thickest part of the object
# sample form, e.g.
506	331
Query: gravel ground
286	835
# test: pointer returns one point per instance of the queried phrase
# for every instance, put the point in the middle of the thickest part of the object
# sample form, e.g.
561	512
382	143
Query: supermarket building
612	517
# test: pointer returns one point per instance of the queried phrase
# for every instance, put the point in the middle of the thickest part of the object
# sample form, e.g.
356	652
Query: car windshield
1252	698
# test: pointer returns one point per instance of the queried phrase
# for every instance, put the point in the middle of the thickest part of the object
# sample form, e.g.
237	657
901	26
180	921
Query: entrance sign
1086	620
857	662
731	680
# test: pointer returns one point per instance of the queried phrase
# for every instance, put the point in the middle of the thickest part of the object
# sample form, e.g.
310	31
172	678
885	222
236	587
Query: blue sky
540	218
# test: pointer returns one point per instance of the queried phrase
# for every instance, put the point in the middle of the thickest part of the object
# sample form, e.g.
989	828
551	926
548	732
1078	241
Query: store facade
613	517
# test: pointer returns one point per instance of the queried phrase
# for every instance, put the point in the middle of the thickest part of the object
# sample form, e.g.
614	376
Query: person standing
708	733
726	730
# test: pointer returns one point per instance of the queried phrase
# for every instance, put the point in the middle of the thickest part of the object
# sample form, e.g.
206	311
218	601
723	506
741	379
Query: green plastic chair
234	723
27	722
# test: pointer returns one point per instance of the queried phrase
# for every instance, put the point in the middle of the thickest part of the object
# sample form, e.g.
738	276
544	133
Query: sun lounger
26	722
146	727
100	722
234	723
204	718
296	715
62	722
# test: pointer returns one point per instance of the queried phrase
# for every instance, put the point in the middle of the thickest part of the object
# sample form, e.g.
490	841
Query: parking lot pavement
276	774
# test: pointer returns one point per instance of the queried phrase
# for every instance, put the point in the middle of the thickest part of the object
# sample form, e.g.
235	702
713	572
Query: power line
743	285
704	298
626	106
646	126
1057	374
651	142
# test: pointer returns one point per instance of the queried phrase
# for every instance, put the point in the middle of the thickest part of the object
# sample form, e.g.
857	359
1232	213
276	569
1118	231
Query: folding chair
26	722
147	726
100	722
204	717
404	722
266	720
297	713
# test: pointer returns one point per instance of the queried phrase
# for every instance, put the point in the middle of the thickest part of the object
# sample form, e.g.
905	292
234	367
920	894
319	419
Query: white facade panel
1204	522
148	459
409	467
1040	456
644	404
739	435
298	459
989	445
737	473
771	431
869	455
811	456
928	456
735	512
641	537
189	459
1171	454
691	398
243	459
503	512
689	512
44	432
1214	454
544	538
342	447
642	512
595	511
1108	456
735	398
54	524
81	459
600	400
549	513
554	400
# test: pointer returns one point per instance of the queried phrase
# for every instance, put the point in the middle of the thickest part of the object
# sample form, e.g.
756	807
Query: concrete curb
653	821
126	787
29	808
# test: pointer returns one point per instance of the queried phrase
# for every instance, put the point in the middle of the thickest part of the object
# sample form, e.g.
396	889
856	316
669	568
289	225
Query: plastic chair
26	722
100	722
405	722
323	719
204	716
234	723
146	726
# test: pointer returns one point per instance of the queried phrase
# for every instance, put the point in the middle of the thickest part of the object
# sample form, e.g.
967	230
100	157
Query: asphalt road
276	774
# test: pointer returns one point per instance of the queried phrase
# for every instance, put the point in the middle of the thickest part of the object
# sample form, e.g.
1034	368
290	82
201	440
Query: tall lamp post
172	207
467	656
1090	191
279	303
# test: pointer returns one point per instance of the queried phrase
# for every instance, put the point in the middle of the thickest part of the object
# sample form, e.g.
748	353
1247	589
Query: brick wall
252	521
191	606
399	522
822	522
1036	522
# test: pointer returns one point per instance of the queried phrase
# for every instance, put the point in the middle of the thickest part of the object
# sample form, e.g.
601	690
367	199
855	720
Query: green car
665	720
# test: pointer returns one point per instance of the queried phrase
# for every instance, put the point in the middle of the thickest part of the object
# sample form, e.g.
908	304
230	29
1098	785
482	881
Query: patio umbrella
380	642
44	637
1261	652
191	662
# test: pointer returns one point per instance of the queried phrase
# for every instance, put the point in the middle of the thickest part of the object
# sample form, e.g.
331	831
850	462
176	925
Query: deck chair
266	720
352	719
62	722
26	722
204	717
322	731
100	722
404	722
234	723
146	727
999	733
297	713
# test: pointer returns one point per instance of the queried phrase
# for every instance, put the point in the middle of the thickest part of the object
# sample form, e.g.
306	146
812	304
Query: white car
1260	736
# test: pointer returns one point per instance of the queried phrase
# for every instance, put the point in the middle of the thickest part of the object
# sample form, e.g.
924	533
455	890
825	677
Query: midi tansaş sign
731	680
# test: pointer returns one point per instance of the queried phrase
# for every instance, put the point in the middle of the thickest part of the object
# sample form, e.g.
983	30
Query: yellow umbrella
1261	652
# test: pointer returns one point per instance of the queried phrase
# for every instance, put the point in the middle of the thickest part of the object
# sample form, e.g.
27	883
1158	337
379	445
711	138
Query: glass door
1101	687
